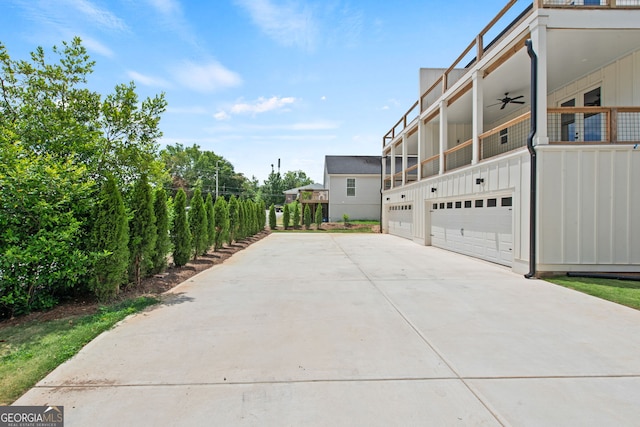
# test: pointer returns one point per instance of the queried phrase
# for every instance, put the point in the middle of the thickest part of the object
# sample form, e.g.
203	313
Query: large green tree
234	217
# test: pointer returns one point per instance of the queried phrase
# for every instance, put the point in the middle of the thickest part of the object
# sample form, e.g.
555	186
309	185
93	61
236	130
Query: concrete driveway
348	329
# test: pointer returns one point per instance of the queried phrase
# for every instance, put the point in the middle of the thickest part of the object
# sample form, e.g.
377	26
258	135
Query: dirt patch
156	285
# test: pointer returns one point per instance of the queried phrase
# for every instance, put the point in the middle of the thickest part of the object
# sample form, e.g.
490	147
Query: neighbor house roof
305	187
353	165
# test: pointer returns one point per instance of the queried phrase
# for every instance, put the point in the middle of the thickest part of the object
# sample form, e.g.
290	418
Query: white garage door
401	220
480	227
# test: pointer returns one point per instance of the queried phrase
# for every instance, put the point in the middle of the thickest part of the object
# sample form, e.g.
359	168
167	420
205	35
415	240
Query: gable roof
313	186
353	165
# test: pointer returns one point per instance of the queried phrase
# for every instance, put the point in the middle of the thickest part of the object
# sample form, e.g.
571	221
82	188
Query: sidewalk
358	329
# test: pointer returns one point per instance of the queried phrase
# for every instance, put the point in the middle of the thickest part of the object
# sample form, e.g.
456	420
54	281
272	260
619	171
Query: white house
462	175
354	184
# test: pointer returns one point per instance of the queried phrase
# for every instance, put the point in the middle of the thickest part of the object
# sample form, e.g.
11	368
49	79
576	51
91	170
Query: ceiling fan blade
493	105
503	105
517	97
517	102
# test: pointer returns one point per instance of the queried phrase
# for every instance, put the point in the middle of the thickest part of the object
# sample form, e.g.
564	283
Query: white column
539	38
393	166
443	133
478	116
404	158
420	150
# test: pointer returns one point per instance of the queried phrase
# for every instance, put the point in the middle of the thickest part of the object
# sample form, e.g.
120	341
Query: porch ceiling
571	55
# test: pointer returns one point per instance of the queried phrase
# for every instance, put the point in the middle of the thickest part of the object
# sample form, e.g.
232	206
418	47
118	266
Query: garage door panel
483	232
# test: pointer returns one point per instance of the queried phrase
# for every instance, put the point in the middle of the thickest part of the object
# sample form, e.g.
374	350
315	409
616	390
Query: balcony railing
444	82
566	125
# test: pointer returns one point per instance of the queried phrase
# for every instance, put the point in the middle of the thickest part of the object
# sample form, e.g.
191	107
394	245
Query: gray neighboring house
292	194
354	184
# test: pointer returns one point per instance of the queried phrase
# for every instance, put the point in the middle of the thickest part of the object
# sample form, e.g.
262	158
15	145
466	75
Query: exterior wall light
434	189
479	181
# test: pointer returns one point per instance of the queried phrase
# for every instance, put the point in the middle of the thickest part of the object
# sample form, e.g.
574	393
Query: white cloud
262	105
323	98
98	16
147	80
209	77
289	24
166	7
95	46
222	116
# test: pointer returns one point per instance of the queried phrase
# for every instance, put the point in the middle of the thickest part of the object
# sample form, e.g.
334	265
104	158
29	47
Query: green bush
198	224
44	206
272	217
110	239
142	230
286	217
211	221
296	214
163	242
181	235
307	216
318	218
221	213
234	215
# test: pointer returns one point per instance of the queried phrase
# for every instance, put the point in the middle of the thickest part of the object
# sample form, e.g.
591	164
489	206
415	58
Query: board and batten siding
589	208
507	175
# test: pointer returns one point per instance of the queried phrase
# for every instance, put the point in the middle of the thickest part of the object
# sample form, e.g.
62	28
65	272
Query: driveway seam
423	338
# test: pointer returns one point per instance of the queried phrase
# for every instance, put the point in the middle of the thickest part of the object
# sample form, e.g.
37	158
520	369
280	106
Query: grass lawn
625	292
29	352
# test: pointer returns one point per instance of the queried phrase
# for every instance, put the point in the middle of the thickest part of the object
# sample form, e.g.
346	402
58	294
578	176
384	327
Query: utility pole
217	161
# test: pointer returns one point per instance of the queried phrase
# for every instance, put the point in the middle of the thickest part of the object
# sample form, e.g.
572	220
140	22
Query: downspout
532	151
382	159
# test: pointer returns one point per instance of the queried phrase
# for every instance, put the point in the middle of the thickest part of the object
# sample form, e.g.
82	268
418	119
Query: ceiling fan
508	100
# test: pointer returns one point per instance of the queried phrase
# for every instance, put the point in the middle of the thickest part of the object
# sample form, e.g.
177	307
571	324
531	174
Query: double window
351	187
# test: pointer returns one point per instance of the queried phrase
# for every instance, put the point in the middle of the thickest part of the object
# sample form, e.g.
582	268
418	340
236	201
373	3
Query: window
492	203
507	201
458	205
467	203
479	203
449	205
434	206
504	136
351	187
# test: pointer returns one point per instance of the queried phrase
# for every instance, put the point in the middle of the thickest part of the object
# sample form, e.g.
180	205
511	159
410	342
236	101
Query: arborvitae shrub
272	217
163	242
142	230
318	218
221	213
198	224
307	216
296	215
211	221
233	219
181	235
110	239
286	217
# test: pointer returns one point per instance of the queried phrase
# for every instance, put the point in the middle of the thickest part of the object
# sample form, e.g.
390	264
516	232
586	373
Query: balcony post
539	38
404	158
478	116
420	148
443	135
393	166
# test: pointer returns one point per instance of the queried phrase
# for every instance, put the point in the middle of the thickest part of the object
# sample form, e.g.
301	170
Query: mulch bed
152	286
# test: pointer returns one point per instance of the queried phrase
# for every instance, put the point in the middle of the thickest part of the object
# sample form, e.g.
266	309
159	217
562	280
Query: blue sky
258	80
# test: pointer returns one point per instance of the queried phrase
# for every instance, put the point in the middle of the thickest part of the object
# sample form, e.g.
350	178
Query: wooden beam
508	54
458	94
